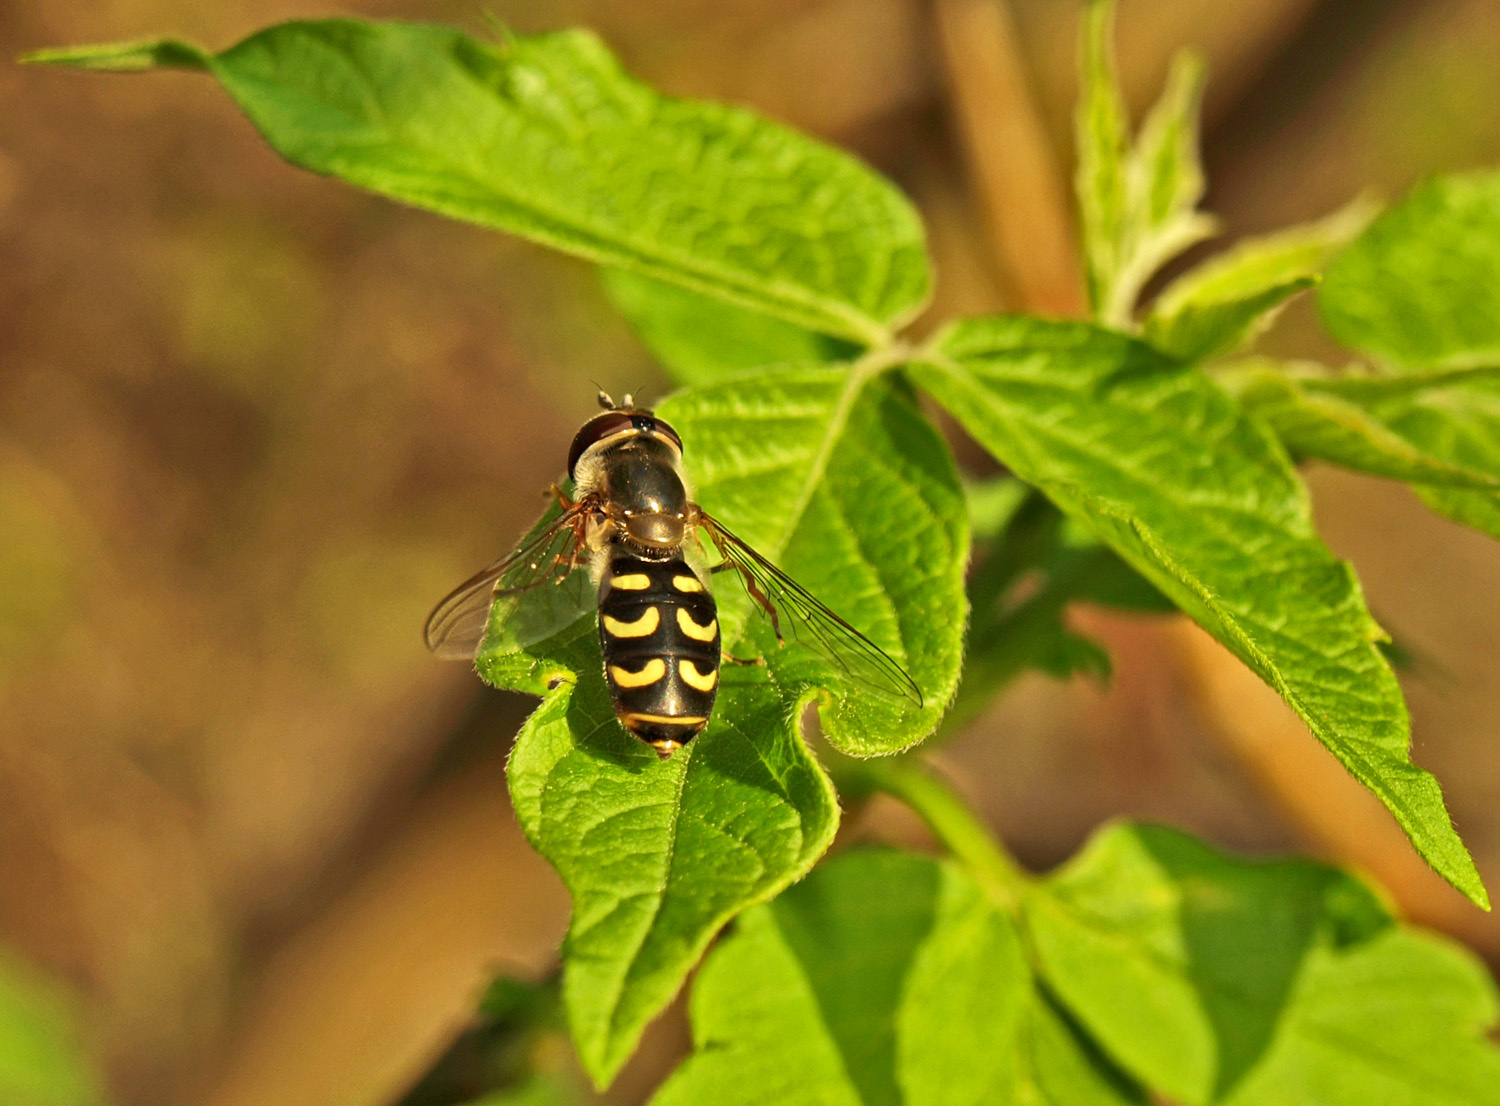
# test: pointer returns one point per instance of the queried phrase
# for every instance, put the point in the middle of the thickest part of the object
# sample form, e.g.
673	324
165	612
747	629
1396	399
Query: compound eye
667	432
596	430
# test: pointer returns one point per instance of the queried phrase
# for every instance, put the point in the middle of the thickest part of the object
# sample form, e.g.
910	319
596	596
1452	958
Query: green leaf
657	856
1066	1068
1202	331
511	1052
993	505
1137	201
1440	431
1453	418
546	137
1314	422
1222	304
42	1062
882	978
1401	1019
1103	139
700	340
125	57
1202	502
1421	287
1259	984
836	476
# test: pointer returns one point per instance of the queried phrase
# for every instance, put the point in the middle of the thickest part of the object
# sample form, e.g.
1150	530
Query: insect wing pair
542	579
536	581
633	525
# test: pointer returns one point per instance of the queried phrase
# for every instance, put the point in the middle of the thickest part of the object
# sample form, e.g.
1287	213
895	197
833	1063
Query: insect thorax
641	484
659	631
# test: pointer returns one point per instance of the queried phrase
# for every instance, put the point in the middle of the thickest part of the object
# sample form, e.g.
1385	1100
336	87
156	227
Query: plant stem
1021	188
954	823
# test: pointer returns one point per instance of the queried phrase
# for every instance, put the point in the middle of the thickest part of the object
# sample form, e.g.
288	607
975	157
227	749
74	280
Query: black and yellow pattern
659	629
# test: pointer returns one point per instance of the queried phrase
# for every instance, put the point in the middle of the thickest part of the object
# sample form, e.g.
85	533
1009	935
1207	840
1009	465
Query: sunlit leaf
1420	288
835	475
1216	980
882	978
1439	431
699	339
1199	499
1220	305
547	137
1137	200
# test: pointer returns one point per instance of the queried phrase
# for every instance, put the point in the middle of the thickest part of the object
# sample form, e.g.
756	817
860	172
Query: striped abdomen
659	630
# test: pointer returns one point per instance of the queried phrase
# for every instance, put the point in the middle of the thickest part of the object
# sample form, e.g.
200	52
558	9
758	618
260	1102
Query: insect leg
747	579
765	604
580	525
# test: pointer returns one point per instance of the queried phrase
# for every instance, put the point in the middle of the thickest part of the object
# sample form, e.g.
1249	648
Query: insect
632	522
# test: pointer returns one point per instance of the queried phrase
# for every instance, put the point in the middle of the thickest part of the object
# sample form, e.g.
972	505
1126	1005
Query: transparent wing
547	555
796	612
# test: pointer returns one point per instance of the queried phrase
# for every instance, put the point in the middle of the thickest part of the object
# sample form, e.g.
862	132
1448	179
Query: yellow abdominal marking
687	583
634	581
644	626
693	678
655	669
663	719
698	633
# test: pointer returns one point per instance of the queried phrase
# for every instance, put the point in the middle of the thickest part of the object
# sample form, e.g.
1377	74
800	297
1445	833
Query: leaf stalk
955	824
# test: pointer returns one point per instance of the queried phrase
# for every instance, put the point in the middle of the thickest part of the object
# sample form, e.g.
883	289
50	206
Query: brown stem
1021	187
355	1005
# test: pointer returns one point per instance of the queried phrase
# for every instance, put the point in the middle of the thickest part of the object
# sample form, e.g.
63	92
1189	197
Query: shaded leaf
506	1053
1220	305
881	978
1202	502
547	137
993	505
835	475
700	340
1259	984
1028	573
1137	201
1420	288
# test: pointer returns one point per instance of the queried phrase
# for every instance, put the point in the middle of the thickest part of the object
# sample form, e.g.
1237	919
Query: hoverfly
634	525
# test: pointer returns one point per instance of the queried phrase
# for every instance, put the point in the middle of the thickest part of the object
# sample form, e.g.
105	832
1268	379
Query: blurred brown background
252	423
